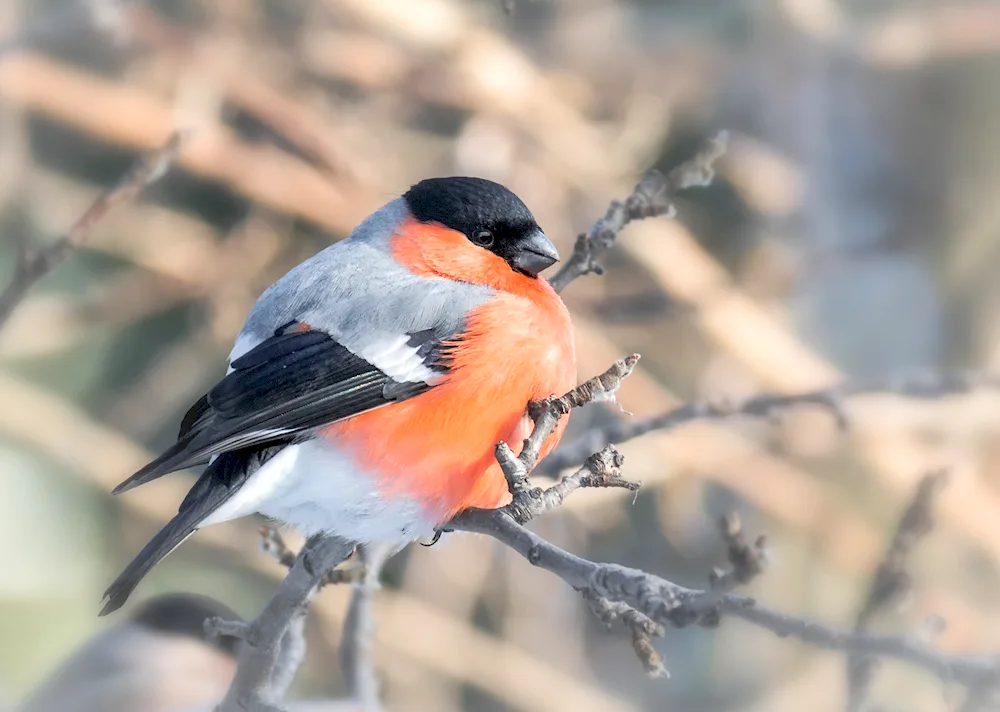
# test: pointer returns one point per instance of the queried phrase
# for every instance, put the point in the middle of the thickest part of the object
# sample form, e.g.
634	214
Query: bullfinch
369	386
159	659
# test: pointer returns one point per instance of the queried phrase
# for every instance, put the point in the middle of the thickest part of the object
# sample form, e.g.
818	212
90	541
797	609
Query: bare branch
357	655
891	581
652	197
747	561
602	469
546	415
667	603
646	603
32	265
921	386
356	651
642	628
260	679
274	546
291	653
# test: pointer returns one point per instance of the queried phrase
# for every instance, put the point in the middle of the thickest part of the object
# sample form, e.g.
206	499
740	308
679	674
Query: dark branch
652	197
33	264
746	561
891	581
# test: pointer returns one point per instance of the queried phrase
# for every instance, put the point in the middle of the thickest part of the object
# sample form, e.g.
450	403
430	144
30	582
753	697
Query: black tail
217	483
166	540
220	481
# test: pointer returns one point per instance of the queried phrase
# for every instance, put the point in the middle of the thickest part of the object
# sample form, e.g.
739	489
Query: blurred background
853	231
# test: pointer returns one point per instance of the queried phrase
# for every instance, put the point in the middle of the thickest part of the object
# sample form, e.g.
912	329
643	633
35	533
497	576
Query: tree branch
921	386
274	546
647	604
357	655
356	651
260	679
293	643
599	470
746	561
891	581
666	603
33	264
652	197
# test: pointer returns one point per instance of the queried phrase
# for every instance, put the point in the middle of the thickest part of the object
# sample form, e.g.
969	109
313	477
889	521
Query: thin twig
602	469
746	561
643	630
652	197
528	502
929	386
357	654
891	581
274	546
33	264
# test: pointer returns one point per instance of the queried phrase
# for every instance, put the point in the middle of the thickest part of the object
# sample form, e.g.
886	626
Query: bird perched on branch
370	385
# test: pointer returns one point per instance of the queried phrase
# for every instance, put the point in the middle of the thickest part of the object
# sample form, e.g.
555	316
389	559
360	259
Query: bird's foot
316	556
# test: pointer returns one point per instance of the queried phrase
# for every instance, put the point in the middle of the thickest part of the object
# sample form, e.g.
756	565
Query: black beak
534	254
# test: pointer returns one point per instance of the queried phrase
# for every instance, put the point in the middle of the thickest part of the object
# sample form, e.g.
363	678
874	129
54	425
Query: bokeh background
853	231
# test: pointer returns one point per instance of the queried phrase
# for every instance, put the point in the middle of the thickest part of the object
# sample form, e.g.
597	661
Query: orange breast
439	446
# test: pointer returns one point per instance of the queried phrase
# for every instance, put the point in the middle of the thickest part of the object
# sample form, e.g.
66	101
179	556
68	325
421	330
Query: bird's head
473	230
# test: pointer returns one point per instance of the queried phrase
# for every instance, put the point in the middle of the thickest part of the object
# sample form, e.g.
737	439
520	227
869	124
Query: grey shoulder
358	293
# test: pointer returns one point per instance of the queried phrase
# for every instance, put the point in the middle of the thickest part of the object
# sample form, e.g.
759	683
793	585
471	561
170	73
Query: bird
370	385
158	659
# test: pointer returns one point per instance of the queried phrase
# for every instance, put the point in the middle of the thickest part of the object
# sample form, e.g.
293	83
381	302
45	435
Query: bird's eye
484	238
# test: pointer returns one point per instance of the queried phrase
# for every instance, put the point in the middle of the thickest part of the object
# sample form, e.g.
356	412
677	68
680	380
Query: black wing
290	383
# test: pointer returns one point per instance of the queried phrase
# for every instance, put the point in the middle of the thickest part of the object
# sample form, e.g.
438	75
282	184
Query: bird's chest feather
439	447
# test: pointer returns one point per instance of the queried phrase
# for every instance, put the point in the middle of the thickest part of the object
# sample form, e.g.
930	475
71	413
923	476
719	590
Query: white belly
316	489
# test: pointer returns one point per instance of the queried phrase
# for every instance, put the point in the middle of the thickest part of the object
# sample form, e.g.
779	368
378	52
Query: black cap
489	215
